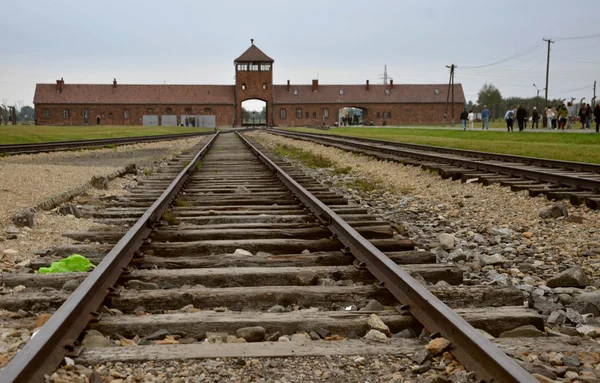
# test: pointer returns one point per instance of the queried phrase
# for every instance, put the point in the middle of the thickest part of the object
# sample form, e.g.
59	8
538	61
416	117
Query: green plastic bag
72	263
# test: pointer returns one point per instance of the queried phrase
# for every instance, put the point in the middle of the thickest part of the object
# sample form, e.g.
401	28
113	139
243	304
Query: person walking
571	116
463	118
85	119
509	118
584	115
98	119
597	116
589	119
485	118
471	118
535	118
563	115
521	116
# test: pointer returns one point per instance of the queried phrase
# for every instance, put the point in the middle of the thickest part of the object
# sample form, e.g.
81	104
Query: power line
577	37
528	50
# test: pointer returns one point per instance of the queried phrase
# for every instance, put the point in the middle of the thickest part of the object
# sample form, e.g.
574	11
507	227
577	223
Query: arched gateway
221	105
253	80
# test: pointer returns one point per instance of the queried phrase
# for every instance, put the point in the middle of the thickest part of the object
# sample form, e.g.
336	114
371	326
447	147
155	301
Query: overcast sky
341	42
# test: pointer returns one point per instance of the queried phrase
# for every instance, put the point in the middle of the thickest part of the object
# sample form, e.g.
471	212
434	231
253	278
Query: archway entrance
352	116
254	113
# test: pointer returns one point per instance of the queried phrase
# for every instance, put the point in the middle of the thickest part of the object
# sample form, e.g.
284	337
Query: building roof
253	54
358	94
134	94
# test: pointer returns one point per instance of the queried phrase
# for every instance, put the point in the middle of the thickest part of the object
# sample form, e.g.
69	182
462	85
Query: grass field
22	134
560	146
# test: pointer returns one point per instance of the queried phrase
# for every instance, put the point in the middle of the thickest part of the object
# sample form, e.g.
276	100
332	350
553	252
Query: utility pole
450	85
594	98
547	68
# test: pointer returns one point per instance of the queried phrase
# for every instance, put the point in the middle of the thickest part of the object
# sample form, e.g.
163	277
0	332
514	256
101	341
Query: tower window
264	85
265	67
242	67
244	86
254	67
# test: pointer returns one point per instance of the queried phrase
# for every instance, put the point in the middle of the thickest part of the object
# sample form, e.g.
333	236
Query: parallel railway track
13	149
308	250
575	181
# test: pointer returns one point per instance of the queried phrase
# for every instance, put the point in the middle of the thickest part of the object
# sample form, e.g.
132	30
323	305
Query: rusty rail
44	351
510	169
470	348
54	146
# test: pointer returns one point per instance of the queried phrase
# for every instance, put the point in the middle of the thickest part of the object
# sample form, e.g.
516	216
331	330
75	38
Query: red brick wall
401	114
253	81
223	113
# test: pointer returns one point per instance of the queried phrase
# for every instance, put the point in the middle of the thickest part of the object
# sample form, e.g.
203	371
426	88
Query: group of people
563	116
559	117
470	117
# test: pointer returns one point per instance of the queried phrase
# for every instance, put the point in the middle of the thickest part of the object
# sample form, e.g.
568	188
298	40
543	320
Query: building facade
221	105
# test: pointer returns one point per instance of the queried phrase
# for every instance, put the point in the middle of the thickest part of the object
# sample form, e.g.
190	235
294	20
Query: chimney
59	85
367	84
391	84
115	83
315	86
288	86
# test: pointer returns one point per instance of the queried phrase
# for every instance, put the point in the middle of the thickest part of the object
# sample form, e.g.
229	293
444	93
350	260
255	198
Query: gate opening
254	113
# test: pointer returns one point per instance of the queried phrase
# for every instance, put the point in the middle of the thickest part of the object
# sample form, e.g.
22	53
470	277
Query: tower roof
254	54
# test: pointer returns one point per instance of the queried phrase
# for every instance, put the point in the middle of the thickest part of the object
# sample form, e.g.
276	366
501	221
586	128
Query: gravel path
494	235
28	179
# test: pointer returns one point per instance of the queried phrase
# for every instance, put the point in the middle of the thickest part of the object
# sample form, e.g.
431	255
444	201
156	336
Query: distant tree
27	113
469	105
489	95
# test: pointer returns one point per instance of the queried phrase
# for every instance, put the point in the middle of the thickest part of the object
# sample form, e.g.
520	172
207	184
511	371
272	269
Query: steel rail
506	169
544	162
44	351
66	145
468	346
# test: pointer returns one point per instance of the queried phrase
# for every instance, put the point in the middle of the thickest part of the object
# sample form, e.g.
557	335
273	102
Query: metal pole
452	74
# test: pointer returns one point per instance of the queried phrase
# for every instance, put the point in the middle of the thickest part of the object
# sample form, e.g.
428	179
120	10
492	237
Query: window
384	115
282	113
188	110
149	110
254	67
265	67
326	113
46	113
436	91
169	110
296	92
298	113
387	91
102	115
126	114
243	86
264	85
314	114
306	114
207	110
389	114
341	92
85	113
66	113
242	67
110	115
378	114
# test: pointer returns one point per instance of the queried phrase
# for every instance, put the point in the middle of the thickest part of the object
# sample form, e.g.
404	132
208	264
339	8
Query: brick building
221	105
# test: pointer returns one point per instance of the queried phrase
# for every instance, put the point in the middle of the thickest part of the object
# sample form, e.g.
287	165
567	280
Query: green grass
22	134
182	203
577	147
170	218
309	159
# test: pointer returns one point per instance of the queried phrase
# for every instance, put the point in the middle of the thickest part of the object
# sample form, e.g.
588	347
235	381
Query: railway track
230	245
13	149
558	180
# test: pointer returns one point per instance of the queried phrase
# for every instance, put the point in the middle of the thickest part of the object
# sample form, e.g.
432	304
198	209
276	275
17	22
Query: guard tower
253	81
